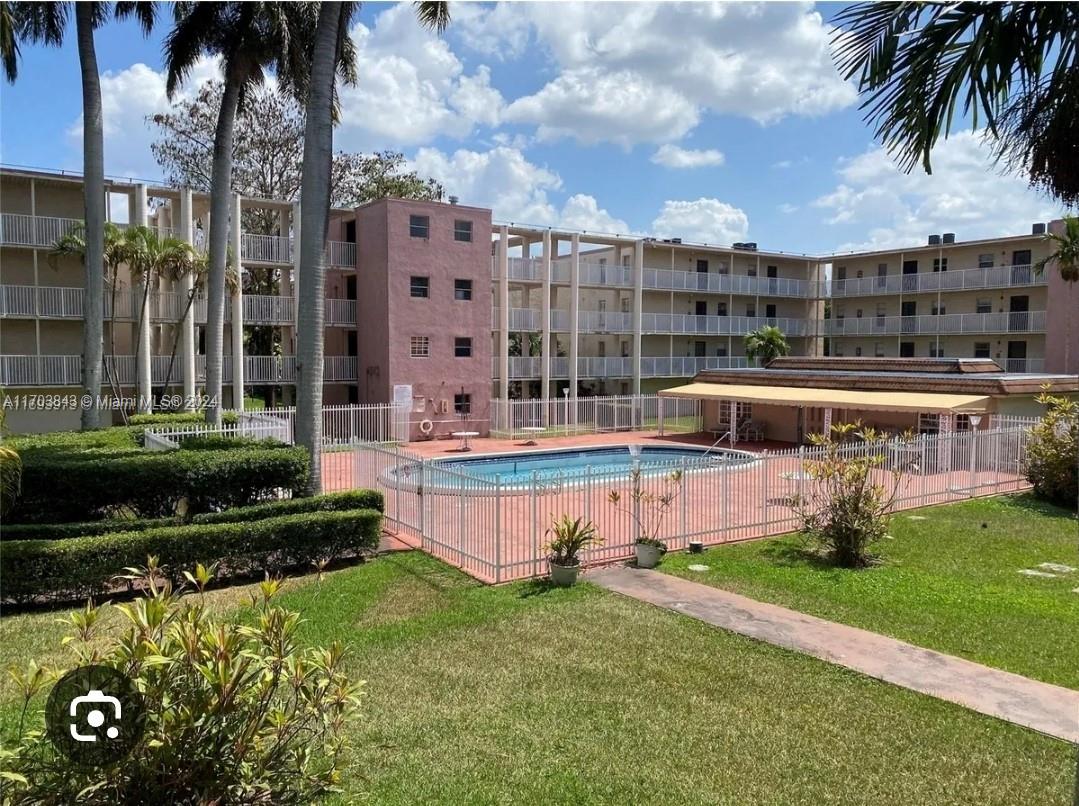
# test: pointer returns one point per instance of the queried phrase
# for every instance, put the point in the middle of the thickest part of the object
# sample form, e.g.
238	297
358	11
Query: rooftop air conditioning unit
934	240
676	240
454	200
949	237
1038	229
749	246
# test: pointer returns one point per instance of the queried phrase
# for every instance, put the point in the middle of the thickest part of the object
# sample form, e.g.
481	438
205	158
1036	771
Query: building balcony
66	370
51	302
931	282
929	325
530	367
531	320
43	232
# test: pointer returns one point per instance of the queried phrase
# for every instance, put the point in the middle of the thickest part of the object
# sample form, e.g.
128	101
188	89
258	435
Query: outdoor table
533	431
466	439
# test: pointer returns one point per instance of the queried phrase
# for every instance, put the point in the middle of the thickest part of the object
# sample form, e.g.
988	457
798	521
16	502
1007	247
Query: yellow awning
831	398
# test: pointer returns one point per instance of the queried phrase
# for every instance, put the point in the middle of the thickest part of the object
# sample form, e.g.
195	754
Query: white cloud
786	208
673	156
647	72
502	179
412	87
595	106
703	221
966	194
582	212
128	97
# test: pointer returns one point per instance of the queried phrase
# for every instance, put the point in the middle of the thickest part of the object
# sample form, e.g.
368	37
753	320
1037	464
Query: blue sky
712	122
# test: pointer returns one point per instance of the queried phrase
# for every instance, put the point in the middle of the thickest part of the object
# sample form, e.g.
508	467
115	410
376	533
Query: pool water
518	468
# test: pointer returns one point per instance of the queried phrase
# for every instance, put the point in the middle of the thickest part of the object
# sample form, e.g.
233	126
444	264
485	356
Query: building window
462	290
752	271
983	306
625	305
858	313
981	349
419	287
702	266
462	231
462	347
858	351
928	423
419	226
723	268
625	261
721	308
419	346
985	261
751	310
882	310
878	349
462	403
939	310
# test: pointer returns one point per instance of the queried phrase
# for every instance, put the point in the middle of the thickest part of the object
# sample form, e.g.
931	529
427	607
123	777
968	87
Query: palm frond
9	41
435	16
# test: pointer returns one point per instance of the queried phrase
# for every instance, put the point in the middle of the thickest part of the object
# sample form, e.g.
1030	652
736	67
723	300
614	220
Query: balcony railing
714	282
530	319
959	280
27	230
529	367
1018	322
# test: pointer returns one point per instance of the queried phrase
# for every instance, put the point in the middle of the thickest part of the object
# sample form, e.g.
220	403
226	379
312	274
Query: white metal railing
1003	322
605	274
958	280
40	370
267	309
1023	364
341	253
720	283
17	229
341	425
530	367
592	414
265	248
492	526
340	312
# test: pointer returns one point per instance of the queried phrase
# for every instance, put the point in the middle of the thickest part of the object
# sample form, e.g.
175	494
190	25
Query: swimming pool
518	470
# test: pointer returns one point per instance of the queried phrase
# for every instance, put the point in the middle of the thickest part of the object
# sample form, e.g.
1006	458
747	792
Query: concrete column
143	385
545	321
574	316
237	326
187	286
503	258
827	421
638	304
944	445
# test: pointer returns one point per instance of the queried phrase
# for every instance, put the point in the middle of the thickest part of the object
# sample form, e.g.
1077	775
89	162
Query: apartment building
432	303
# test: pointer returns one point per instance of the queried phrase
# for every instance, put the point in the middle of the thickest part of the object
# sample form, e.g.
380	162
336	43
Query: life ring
426	427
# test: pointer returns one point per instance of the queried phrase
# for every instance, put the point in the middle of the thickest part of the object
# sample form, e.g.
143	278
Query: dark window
462	231
353	394
419	226
702	265
462	347
751	310
420	287
350	287
772	271
462	289
700	349
906	349
350	231
940	264
701	308
981	349
462	403
983	306
721	308
752	271
770	311
351	341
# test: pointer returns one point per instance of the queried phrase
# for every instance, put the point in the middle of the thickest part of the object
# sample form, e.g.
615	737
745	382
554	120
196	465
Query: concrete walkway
1046	708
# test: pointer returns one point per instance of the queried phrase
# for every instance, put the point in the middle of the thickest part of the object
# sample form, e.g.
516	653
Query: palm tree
332	56
1012	68
766	343
46	23
116	253
152	257
249	38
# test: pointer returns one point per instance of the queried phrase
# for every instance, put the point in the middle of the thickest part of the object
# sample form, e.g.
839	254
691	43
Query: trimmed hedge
153	484
64	570
330	502
118	438
180	418
219	442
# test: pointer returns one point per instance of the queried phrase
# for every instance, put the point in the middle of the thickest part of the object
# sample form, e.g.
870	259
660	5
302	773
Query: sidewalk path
1053	710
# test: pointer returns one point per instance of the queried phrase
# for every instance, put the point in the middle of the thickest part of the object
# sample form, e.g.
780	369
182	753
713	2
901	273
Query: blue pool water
518	467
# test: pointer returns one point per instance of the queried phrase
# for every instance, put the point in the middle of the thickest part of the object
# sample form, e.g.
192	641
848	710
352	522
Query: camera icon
94	718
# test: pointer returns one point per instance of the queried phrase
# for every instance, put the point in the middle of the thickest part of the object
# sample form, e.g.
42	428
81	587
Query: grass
947	580
527	694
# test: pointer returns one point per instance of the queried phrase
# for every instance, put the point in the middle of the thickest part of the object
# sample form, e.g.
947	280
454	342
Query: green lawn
528	695
948	580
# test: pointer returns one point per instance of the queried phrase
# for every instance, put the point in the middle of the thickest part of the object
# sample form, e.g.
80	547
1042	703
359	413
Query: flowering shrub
1053	452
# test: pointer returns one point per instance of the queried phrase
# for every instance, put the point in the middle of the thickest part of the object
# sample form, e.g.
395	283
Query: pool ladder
725	435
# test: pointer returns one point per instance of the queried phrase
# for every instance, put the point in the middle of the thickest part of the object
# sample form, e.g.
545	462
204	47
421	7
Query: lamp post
975	420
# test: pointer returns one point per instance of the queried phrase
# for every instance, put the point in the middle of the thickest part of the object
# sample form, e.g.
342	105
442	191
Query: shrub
153	484
569	538
84	566
234	710
648	508
1053	452
220	442
179	418
846	510
331	502
68	442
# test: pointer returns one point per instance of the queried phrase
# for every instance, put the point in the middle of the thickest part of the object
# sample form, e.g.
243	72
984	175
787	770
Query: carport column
504	321
944	432
143	371
828	421
237	326
574	325
734	423
187	286
638	304
545	326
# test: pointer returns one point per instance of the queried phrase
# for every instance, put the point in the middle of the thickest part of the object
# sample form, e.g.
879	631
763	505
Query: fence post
534	527
498	528
396	484
684	527
766	467
422	495
356	472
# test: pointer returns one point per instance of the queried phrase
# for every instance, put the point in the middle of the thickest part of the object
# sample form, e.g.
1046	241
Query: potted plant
568	538
648	509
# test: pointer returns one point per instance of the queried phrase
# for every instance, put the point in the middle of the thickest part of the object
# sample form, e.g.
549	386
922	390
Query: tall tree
46	23
332	57
250	38
1012	68
766	343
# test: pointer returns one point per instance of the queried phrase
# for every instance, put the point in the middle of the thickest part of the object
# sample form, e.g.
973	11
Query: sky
714	122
